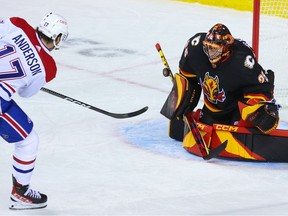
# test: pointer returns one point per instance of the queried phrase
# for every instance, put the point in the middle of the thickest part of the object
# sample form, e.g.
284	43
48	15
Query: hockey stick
202	146
166	71
114	115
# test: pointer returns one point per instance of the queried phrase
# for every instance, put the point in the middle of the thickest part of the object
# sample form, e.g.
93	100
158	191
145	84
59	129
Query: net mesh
273	46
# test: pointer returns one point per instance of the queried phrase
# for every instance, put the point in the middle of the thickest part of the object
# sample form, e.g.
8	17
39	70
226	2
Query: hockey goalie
239	104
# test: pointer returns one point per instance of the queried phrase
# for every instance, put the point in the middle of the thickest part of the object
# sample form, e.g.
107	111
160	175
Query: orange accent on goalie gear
253	99
246	109
186	74
210	107
182	87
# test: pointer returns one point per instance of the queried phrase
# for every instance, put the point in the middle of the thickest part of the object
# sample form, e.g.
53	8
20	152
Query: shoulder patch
249	62
195	41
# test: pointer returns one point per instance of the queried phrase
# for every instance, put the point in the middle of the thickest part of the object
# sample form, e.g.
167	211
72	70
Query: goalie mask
218	43
53	25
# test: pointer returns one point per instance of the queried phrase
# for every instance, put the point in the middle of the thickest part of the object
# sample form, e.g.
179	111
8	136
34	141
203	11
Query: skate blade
26	206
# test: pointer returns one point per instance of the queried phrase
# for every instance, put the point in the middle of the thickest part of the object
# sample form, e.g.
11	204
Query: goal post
269	41
276	8
255	28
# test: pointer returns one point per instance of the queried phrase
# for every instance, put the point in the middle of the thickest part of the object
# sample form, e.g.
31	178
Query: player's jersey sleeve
188	65
192	55
259	84
25	63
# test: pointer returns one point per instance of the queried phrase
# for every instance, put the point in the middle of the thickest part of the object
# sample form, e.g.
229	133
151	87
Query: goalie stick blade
216	151
126	115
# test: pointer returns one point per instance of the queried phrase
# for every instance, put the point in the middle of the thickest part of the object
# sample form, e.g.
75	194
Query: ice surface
91	164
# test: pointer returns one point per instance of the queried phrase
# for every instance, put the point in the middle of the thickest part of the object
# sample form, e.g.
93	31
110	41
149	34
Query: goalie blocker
182	99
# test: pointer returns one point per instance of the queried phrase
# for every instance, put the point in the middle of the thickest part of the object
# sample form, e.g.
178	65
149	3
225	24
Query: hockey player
236	89
26	66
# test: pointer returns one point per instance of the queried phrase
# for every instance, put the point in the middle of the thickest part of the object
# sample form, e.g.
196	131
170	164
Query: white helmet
52	25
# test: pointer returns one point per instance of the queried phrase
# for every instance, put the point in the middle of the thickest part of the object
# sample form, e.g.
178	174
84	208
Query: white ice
92	164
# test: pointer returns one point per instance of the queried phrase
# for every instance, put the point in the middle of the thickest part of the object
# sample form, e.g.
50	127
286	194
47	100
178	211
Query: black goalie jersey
237	78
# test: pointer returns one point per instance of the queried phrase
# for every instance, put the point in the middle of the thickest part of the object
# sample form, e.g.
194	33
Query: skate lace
33	194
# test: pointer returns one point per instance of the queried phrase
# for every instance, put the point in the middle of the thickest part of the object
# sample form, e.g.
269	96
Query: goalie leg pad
176	129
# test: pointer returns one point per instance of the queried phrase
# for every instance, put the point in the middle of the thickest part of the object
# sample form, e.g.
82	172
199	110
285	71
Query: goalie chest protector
224	85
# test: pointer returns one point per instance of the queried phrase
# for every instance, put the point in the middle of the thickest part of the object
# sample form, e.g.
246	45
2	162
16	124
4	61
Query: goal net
270	42
269	36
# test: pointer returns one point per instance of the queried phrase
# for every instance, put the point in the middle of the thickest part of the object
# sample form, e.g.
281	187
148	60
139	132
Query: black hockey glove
265	118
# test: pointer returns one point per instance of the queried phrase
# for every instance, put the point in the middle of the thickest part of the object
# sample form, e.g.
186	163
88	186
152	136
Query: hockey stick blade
88	106
216	151
124	115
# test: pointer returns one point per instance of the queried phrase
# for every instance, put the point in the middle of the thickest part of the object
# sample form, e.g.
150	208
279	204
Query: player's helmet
53	25
218	43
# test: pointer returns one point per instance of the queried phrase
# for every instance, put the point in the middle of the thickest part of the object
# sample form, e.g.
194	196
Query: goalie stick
88	106
202	146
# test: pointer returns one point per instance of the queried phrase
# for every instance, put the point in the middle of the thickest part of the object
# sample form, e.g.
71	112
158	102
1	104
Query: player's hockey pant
16	127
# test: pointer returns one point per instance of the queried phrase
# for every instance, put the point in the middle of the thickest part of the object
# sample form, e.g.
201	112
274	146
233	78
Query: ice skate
23	197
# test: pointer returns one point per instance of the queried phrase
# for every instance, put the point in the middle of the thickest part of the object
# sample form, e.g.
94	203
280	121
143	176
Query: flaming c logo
211	89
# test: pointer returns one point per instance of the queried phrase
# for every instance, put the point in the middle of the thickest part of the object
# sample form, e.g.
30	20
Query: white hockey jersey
25	63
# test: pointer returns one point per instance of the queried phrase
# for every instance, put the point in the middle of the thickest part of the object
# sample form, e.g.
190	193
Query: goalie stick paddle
88	106
202	146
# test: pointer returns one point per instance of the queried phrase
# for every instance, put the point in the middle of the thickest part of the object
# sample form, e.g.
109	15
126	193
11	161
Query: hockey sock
24	158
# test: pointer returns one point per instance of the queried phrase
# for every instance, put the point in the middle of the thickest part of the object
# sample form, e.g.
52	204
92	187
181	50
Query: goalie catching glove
183	97
263	115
